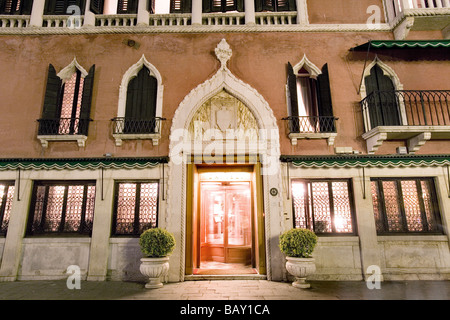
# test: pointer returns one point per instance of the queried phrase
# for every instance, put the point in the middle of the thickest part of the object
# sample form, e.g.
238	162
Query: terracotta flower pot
300	268
154	268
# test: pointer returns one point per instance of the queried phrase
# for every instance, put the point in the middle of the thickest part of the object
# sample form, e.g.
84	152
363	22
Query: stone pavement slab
225	290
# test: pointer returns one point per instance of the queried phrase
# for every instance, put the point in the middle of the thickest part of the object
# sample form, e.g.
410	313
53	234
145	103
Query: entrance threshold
199	277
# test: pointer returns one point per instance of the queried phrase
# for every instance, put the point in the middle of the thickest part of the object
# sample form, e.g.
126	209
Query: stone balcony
406	15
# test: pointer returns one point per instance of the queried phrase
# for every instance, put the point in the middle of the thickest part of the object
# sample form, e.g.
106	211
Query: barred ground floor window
324	205
6	199
406	205
62	207
136	207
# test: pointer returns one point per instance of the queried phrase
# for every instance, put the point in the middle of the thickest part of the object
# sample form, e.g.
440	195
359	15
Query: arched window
275	5
67	101
140	104
140	109
381	104
310	98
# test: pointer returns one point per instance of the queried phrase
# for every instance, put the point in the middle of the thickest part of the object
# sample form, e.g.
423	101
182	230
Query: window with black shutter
180	6
381	99
59	7
96	6
16	7
67	104
275	5
140	109
223	5
310	102
127	6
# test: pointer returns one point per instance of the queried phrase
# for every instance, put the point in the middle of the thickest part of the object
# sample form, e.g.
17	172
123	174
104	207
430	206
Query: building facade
226	123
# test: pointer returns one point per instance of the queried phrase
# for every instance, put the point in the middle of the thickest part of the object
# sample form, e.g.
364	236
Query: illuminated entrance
227	221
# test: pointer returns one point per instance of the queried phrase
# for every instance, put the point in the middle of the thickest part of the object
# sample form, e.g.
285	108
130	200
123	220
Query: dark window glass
136	207
62	208
405	205
324	206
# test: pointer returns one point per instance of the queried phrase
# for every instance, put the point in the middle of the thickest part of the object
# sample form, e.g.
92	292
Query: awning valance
403	44
81	163
348	161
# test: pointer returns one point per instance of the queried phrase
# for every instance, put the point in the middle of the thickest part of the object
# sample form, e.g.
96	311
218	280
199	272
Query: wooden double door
226	222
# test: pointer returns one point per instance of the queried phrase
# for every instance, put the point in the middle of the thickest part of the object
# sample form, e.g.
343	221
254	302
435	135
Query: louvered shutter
383	107
97	6
292	88
86	101
26	6
240	5
127	6
324	101
181	6
206	6
286	5
50	112
150	6
268	5
8	6
259	5
59	7
141	103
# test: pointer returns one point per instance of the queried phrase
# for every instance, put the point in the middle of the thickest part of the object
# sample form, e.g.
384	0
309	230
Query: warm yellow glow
225	176
298	189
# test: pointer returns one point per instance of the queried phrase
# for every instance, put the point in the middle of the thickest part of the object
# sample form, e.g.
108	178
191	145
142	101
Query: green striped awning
80	163
403	44
348	161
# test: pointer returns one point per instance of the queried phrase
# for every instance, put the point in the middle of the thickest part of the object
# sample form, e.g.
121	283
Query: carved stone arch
312	69
174	217
387	71
67	72
130	74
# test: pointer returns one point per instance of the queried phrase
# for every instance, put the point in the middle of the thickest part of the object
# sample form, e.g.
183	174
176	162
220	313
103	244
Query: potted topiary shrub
156	245
298	245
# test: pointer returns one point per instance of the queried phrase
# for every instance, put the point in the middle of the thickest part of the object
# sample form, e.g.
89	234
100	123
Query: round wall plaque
273	191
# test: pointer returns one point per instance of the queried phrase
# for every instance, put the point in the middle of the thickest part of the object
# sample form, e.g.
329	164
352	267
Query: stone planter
154	268
300	268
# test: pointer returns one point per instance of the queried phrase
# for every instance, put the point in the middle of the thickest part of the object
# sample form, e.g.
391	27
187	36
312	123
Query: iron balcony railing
311	124
406	108
122	125
63	126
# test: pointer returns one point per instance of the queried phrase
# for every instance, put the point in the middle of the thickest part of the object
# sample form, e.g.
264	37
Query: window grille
136	207
324	206
62	208
6	199
405	205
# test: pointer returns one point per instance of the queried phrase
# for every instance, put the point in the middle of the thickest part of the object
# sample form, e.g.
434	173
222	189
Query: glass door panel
225	220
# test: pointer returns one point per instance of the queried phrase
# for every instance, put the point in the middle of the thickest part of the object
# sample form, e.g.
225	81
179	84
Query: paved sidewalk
225	290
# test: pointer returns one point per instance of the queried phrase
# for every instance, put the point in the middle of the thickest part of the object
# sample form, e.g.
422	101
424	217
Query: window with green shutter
60	7
16	6
140	109
275	5
223	5
310	102
67	104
